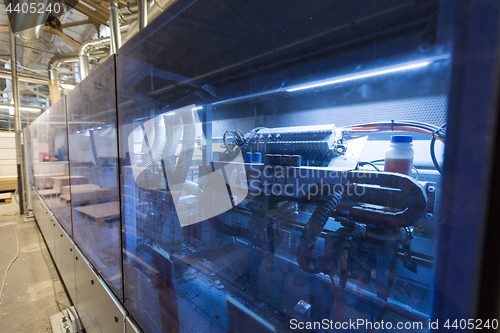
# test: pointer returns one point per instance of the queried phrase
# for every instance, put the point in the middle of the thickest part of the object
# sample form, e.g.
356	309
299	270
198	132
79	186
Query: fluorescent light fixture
25	108
99	127
362	75
92	129
22	108
67	86
197	108
78	132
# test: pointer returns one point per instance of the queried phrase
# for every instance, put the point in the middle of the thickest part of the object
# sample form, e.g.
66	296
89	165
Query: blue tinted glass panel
56	180
93	164
254	140
39	153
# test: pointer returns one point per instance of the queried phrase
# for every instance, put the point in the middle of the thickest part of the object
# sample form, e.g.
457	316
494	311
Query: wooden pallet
48	193
66	198
8	183
101	213
6	197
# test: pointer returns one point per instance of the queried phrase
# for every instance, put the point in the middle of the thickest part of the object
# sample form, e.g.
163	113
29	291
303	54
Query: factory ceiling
65	35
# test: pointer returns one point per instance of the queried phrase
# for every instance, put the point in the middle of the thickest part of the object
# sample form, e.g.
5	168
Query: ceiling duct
28	26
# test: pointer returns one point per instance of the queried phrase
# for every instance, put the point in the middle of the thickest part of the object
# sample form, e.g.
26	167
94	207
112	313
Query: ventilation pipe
143	14
156	7
83	55
125	14
28	26
30	35
116	40
128	13
54	63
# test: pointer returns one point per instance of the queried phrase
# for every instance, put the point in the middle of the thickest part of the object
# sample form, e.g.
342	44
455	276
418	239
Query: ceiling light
362	75
67	86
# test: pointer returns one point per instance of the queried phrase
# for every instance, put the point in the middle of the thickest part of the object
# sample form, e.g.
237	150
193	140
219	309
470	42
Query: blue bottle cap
248	157
257	157
401	138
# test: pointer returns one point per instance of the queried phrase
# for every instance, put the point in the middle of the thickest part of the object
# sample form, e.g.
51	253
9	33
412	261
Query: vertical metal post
27	168
143	13
17	121
116	38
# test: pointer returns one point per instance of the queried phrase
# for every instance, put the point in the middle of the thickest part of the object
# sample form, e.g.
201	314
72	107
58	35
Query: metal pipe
83	54
53	64
156	7
129	17
143	13
17	121
5	74
128	9
27	168
116	40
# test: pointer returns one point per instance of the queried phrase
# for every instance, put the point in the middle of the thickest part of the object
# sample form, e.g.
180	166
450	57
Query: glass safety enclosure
253	140
94	175
49	160
275	166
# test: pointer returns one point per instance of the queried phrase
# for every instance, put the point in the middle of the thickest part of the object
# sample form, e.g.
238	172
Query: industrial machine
229	170
253	184
289	217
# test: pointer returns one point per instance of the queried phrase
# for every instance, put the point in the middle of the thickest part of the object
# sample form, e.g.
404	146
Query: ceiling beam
33	91
75	23
93	15
63	36
97	6
5	74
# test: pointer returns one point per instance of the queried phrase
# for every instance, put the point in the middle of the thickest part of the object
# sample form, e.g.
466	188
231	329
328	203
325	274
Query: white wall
8	154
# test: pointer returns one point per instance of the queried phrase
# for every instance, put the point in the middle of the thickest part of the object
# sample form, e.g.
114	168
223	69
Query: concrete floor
28	298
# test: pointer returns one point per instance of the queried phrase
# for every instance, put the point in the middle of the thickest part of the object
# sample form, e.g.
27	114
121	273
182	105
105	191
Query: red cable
267	267
387	128
342	305
335	297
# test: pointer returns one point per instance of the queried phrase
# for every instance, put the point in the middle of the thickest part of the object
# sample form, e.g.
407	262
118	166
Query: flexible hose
310	234
8	267
187	151
52	277
173	138
177	173
144	176
15	195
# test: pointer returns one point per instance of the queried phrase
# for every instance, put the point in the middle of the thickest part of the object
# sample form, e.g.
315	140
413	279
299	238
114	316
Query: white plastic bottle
399	157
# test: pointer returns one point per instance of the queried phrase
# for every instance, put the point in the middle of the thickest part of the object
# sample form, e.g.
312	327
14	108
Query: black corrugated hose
325	263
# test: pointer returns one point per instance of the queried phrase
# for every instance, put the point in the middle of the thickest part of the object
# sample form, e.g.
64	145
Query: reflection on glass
49	153
94	178
253	194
